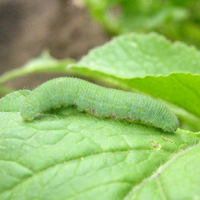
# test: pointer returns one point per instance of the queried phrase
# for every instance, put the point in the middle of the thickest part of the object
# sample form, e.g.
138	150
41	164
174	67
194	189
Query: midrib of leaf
159	171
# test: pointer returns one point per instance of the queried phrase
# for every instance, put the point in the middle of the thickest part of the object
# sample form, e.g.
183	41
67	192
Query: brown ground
27	27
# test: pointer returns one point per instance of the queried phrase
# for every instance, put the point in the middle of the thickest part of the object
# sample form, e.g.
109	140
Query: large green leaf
149	64
71	155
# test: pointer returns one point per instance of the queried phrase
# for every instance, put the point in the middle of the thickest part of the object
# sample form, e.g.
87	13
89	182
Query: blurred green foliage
176	19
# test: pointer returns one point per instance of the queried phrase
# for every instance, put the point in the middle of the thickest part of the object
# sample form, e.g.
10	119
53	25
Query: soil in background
28	27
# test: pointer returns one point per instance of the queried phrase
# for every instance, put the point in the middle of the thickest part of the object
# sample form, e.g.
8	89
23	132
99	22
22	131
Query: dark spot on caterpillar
113	116
92	111
129	118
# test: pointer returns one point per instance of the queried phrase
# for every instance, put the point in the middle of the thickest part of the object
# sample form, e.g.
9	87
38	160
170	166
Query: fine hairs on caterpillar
99	101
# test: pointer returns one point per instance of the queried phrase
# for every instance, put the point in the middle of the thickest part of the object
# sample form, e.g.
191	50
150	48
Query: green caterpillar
99	101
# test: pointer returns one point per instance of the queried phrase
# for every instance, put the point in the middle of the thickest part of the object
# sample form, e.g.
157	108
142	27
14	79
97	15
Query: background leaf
41	64
147	64
139	55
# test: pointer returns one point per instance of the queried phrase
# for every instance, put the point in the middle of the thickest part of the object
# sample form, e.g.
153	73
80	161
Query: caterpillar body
99	101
